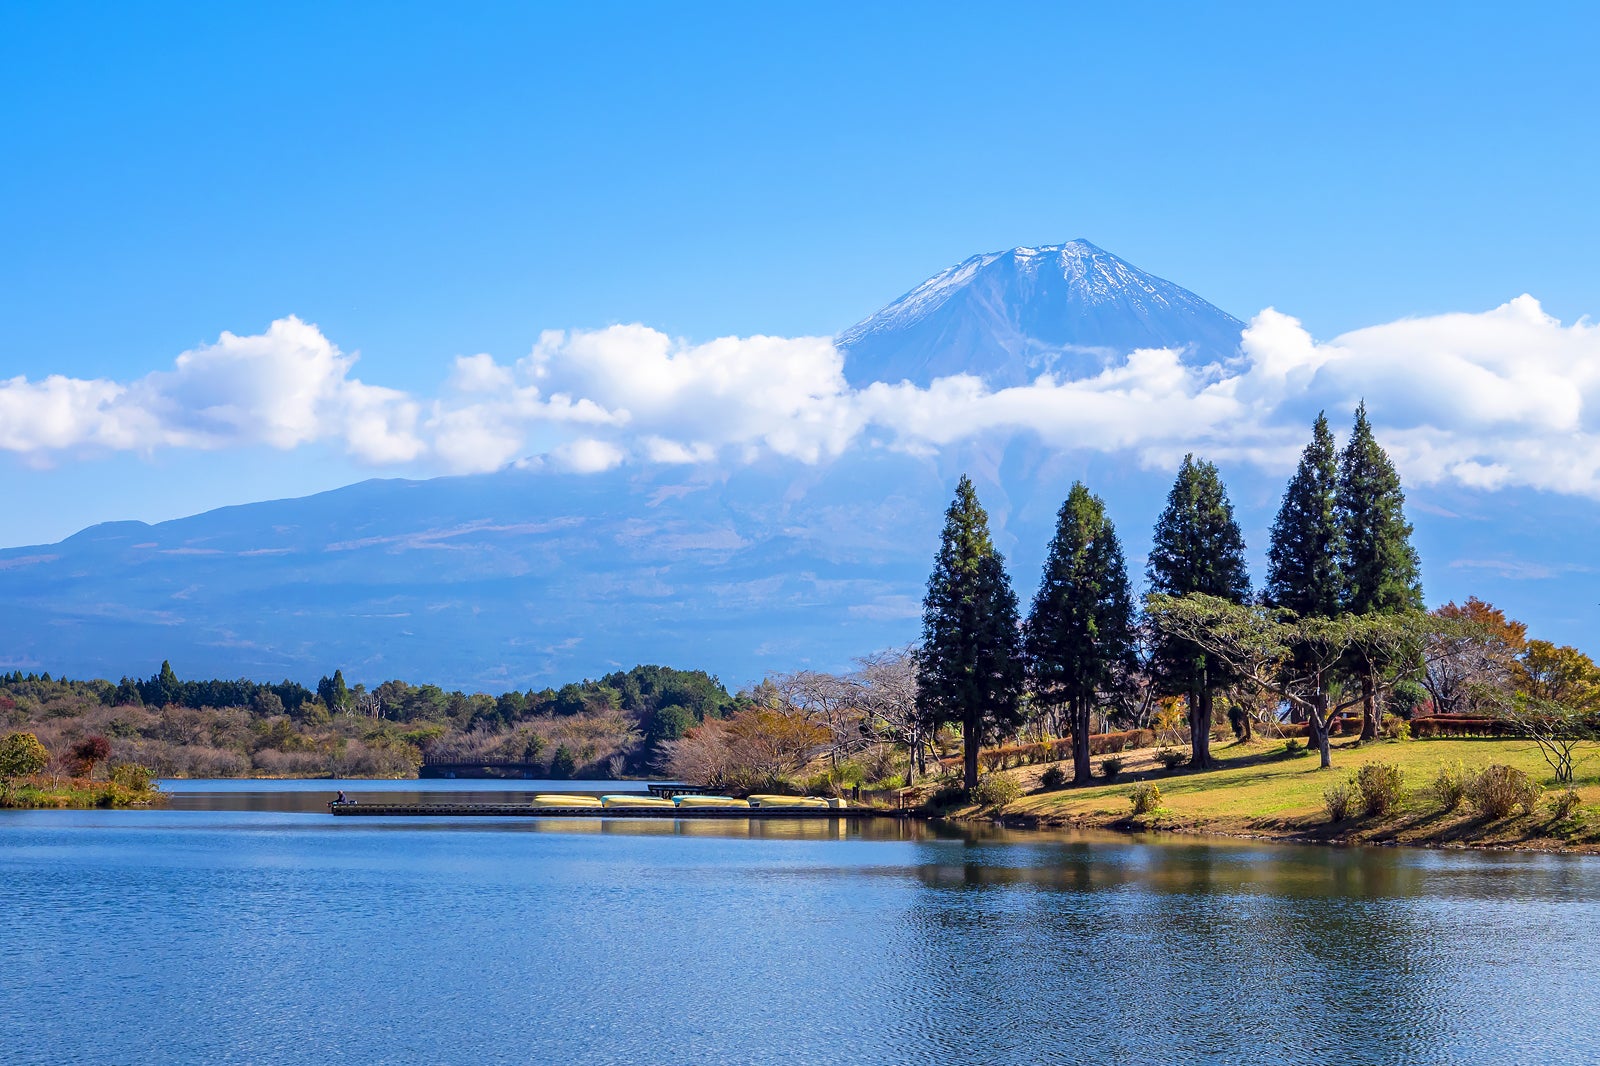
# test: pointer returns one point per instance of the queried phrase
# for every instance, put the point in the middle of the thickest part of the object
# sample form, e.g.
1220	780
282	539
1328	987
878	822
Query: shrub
1293	749
1053	778
1145	797
1170	758
1110	767
1563	803
1337	799
992	759
1449	786
1381	786
995	791
132	776
1499	790
1396	728
21	754
948	795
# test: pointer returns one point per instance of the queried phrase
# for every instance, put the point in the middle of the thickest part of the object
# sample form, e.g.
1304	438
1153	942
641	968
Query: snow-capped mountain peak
1009	316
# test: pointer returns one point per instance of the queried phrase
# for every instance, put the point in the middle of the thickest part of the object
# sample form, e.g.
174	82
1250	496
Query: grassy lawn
1260	792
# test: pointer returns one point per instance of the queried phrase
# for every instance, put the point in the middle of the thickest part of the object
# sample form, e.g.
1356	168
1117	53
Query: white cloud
1507	397
589	456
283	388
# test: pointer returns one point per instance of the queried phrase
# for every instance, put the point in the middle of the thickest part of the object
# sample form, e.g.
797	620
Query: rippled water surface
246	926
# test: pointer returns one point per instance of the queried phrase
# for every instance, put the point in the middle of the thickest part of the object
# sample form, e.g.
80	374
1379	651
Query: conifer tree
1304	573
333	692
1197	548
1381	569
1079	635
969	667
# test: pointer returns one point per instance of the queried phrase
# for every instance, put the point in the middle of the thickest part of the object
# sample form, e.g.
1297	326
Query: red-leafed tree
90	752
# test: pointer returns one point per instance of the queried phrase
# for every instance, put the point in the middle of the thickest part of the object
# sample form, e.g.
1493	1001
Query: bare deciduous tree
887	682
832	701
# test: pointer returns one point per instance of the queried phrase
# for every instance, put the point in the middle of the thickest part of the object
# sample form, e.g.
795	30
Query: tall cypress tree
1197	548
1382	572
969	667
1079	636
1304	571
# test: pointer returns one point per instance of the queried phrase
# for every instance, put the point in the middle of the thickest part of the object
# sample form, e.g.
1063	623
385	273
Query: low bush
132	776
1171	758
1110	767
1338	800
948	795
1396	728
1053	778
996	791
1498	790
1564	803
1381	787
1145	797
1293	749
1449	787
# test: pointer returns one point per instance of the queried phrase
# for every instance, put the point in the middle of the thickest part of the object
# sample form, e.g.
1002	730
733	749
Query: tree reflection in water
1120	951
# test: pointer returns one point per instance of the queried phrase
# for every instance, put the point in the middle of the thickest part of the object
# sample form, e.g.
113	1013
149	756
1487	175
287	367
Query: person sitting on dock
340	798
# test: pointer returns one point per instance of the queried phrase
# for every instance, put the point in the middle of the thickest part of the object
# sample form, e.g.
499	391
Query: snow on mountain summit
1010	316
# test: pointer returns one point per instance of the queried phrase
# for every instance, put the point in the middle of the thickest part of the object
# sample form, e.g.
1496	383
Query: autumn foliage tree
753	748
1471	658
90	752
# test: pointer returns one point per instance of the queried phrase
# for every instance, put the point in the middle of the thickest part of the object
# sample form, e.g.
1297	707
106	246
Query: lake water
246	925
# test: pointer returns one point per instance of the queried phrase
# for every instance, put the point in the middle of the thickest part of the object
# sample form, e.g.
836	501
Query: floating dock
525	810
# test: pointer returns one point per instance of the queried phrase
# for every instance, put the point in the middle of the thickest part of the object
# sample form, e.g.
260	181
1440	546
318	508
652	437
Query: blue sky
423	182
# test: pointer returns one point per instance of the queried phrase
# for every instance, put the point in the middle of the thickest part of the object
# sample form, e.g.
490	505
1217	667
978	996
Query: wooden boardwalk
524	810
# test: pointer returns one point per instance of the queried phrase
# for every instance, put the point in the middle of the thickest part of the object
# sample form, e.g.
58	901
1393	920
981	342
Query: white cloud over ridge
1506	397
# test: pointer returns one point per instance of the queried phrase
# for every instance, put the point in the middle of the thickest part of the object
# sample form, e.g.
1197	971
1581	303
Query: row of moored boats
685	802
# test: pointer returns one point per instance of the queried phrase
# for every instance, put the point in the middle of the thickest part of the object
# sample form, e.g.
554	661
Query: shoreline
1257	792
1134	829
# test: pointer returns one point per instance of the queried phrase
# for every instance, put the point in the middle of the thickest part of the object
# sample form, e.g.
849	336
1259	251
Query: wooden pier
525	810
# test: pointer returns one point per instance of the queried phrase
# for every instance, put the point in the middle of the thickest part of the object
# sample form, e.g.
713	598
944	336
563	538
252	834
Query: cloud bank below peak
1508	397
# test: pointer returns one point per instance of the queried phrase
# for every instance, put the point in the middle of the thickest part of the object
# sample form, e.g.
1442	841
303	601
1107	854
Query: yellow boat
787	801
551	800
634	801
710	801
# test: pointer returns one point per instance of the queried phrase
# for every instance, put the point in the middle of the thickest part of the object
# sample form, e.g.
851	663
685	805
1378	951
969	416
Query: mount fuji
1010	316
527	577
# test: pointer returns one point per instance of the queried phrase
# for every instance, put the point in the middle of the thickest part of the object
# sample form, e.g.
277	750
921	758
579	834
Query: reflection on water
256	932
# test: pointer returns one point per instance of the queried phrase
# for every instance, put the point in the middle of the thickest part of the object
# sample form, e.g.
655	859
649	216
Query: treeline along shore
1326	704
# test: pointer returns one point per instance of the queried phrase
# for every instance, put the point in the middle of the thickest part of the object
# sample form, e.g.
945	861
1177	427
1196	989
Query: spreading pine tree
1381	571
1079	635
969	667
1197	548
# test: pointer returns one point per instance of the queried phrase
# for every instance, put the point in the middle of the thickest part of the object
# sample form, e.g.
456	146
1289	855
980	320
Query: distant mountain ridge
1013	315
523	578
